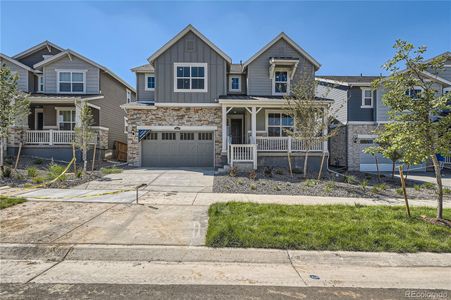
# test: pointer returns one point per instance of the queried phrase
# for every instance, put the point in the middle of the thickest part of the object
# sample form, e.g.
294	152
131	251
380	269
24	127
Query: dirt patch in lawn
353	184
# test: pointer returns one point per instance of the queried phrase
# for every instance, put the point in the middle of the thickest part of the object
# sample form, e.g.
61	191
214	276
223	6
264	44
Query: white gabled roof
282	35
71	52
18	63
182	34
35	48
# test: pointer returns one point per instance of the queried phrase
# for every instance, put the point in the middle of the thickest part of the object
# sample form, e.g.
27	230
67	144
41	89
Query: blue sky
347	38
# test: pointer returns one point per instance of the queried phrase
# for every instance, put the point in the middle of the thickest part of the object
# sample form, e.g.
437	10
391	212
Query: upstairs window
367	98
71	81
190	77
235	84
150	82
278	124
280	83
446	90
40	84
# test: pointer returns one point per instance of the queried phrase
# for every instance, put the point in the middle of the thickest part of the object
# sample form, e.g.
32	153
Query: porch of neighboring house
254	133
50	131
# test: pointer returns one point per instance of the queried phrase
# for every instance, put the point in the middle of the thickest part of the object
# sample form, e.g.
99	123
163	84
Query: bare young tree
311	117
84	133
14	105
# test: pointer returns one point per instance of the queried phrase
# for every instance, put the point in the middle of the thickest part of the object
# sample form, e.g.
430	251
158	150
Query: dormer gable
38	53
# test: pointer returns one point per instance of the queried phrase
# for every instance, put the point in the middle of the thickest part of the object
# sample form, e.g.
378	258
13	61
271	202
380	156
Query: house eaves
189	28
36	48
292	43
71	52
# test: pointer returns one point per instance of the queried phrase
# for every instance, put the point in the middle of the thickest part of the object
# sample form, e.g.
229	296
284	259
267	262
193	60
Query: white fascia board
187	105
331	81
71	52
37	47
182	34
179	128
17	63
137	106
282	35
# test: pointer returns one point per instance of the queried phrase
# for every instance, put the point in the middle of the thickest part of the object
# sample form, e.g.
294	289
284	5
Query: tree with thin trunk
84	133
311	117
419	124
385	146
14	106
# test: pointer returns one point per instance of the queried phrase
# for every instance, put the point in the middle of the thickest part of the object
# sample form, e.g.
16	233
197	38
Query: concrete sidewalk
197	198
167	265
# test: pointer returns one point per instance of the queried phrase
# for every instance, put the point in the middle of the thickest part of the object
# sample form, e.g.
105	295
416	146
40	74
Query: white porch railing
243	153
51	137
285	144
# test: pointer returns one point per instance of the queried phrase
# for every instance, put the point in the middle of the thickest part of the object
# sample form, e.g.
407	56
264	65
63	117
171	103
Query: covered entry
177	148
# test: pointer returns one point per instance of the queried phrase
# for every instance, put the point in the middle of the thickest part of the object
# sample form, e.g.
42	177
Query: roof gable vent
189	45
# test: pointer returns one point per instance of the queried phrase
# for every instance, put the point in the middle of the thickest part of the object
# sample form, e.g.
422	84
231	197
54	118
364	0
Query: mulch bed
20	178
356	184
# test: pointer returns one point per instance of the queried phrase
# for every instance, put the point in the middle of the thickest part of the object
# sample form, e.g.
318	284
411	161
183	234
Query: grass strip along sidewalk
326	227
6	202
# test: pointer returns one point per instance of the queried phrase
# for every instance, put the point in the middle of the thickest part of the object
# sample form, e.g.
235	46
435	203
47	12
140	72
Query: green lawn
10	201
325	227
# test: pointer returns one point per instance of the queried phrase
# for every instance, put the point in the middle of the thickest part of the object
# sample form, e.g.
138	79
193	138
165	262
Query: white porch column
224	129
325	129
77	113
254	125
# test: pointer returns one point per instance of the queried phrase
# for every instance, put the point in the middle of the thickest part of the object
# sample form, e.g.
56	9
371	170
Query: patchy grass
111	170
326	227
10	201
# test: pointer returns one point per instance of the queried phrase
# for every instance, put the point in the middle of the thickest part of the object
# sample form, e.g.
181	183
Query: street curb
93	252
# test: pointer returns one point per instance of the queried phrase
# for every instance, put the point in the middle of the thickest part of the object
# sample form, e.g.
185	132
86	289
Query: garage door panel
184	151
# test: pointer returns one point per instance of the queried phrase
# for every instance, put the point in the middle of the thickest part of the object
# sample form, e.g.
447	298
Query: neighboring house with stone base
359	111
58	81
195	108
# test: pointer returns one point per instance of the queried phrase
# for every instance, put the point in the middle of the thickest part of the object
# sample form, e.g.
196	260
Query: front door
236	129
39	120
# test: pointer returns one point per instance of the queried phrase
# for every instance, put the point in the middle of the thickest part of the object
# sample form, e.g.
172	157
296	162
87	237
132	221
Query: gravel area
354	184
22	178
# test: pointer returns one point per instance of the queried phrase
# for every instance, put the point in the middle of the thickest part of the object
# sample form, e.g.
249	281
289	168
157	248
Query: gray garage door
178	149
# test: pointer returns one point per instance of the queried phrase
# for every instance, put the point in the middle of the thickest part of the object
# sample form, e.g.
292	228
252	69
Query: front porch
253	129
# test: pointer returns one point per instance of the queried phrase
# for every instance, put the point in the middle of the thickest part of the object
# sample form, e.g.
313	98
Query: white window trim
39	84
128	95
446	90
58	71
274	82
363	98
69	108
147	75
231	85
415	88
125	125
267	112
204	90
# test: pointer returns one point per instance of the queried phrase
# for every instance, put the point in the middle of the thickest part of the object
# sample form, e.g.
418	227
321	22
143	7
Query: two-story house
58	81
195	108
359	110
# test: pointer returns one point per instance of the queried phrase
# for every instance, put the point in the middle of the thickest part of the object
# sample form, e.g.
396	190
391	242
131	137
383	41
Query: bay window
190	77
71	81
278	124
150	82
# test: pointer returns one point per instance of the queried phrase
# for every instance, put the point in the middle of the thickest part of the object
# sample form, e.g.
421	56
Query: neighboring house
58	81
195	108
359	111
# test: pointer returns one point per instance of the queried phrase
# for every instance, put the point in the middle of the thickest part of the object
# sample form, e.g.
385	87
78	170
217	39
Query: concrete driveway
193	180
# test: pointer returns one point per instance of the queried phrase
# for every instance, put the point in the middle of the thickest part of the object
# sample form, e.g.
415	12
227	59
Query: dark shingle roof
143	68
351	79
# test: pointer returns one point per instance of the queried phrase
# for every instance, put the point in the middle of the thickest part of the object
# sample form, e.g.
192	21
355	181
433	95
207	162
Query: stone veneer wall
354	147
338	148
16	135
171	116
